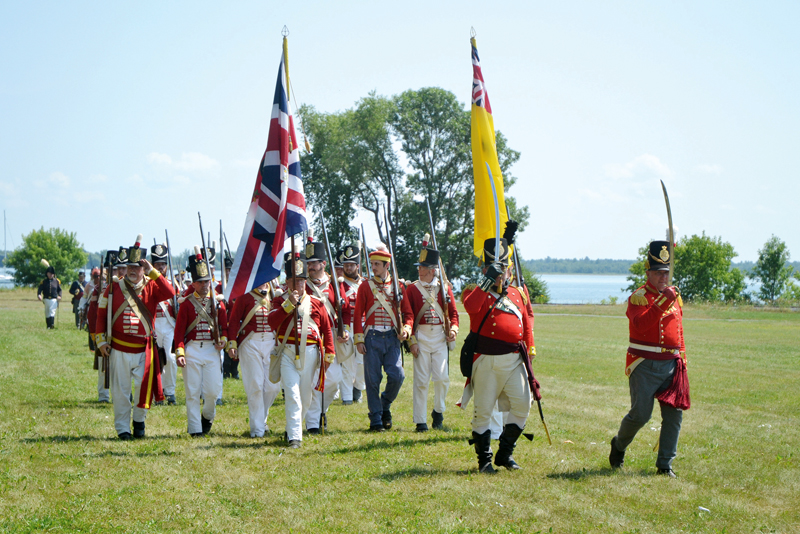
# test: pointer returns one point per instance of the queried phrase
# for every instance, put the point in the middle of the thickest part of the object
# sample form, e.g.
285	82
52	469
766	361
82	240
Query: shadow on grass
377	445
68	404
579	474
67	439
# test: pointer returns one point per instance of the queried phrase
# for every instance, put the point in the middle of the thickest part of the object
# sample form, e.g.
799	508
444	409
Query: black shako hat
228	261
351	254
122	257
658	256
197	267
301	268
428	257
158	253
315	251
338	259
489	255
135	253
111	258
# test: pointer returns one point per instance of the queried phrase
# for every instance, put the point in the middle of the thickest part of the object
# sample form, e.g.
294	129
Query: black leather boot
206	424
508	439
138	429
483	449
438	419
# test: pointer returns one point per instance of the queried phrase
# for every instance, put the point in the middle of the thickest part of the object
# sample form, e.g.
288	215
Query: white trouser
102	392
333	376
261	393
497	422
165	334
297	385
126	367
500	381
50	307
352	363
430	364
201	376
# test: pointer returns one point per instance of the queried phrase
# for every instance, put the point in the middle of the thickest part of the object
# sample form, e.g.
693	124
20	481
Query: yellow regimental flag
484	150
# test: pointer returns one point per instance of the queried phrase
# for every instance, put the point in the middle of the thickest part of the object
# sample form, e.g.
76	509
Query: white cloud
59	179
249	163
641	167
189	161
709	169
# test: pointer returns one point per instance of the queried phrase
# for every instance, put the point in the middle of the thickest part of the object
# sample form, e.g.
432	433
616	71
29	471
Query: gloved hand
667	298
493	271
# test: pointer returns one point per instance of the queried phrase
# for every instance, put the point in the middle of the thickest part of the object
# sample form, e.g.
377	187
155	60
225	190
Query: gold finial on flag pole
472	34
285	33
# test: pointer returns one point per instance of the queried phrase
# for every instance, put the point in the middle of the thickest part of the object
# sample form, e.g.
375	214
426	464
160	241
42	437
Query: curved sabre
671	234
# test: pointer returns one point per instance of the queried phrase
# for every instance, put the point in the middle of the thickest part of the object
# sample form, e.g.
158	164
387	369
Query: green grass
62	468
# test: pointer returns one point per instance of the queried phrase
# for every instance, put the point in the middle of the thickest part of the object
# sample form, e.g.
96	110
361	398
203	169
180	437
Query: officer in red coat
499	373
133	356
655	362
200	336
424	310
300	360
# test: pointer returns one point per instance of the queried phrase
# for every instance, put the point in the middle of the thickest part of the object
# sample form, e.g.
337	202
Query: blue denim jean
383	352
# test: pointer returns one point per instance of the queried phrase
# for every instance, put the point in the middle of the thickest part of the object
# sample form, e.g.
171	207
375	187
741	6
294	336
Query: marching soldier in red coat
424	312
655	362
501	367
200	335
251	341
350	359
320	286
98	284
376	335
132	354
301	360
165	327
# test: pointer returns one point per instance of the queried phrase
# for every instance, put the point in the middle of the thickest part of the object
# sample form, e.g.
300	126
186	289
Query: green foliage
550	265
356	165
59	247
703	270
637	276
772	270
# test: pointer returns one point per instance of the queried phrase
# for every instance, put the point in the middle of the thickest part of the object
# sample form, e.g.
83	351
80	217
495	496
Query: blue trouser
647	380
383	351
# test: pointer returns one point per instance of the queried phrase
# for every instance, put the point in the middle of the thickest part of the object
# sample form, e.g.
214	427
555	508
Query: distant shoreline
605	266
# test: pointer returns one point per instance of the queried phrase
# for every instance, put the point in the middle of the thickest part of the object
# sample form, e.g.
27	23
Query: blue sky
119	118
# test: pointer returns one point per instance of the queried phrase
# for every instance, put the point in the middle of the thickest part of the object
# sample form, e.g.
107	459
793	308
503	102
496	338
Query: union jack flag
278	207
479	95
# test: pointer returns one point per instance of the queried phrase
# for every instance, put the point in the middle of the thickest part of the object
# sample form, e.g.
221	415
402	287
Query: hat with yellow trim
658	257
197	266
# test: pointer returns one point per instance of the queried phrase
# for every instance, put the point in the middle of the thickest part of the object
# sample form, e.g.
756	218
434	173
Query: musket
222	259
671	236
445	284
109	320
293	259
396	297
334	282
225	237
172	275
368	269
214	311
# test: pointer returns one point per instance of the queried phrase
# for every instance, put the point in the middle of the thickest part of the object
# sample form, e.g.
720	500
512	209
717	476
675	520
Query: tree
772	270
703	270
59	247
356	164
637	278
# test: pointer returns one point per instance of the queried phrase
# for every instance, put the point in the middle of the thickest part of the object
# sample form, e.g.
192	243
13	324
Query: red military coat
503	324
202	329
413	302
241	309
365	300
91	312
128	333
656	327
348	289
280	319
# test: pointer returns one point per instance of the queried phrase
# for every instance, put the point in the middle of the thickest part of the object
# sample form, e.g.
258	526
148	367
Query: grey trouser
647	380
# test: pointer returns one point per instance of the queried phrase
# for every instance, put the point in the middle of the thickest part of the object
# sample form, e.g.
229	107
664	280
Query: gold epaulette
467	288
524	297
680	300
638	297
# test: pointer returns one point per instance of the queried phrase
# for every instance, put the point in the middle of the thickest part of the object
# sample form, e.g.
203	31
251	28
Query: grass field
62	468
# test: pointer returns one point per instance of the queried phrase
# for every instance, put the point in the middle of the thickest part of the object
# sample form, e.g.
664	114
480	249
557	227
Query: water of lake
585	288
